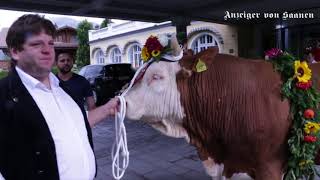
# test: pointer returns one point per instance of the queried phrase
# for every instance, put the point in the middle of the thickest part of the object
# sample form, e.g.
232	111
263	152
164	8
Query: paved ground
152	156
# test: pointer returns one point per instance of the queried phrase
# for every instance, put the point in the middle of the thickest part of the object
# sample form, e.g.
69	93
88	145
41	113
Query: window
115	55
203	41
99	57
134	55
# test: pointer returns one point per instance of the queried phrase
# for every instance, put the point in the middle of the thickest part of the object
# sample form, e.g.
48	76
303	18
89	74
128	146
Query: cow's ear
197	63
204	59
186	64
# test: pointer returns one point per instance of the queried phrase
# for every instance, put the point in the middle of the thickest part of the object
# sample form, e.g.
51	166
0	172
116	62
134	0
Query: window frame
197	45
134	55
115	57
99	56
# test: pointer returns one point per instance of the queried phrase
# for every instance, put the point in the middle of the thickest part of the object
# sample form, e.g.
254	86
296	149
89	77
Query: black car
90	72
113	77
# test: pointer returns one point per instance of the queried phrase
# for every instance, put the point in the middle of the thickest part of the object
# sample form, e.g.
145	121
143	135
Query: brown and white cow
232	112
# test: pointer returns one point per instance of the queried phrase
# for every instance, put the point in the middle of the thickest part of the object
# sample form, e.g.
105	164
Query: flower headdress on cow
304	101
161	47
166	48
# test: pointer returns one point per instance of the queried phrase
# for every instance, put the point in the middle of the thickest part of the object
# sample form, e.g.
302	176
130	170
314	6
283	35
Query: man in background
76	84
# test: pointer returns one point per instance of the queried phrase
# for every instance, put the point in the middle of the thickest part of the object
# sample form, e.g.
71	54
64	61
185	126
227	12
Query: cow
233	112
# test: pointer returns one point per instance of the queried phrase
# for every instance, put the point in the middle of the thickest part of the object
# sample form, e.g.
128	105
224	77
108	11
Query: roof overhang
168	10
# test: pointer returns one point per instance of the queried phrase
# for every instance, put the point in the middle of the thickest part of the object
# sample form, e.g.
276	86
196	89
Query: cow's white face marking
156	96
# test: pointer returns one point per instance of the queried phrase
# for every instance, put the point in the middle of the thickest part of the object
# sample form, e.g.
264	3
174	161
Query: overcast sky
8	17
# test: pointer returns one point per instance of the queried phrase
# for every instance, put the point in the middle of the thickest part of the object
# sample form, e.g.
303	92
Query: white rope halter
120	143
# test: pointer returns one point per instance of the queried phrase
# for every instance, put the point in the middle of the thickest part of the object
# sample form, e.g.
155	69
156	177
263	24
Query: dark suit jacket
27	150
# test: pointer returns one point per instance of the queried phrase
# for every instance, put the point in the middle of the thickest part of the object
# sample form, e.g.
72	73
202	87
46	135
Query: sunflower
311	127
145	54
155	53
302	71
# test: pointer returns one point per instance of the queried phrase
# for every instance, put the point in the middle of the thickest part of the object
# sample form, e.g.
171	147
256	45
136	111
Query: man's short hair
29	24
71	54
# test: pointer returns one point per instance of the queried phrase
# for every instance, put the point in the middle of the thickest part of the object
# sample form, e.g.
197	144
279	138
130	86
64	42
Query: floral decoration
310	139
311	127
302	71
155	47
274	52
303	85
308	114
298	88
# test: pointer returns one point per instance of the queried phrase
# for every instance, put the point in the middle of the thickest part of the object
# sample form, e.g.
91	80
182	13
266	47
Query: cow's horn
176	49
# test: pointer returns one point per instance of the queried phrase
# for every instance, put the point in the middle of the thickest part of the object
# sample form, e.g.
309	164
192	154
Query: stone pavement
153	156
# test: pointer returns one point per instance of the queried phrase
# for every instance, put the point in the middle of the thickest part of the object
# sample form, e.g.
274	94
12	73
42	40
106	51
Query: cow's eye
156	77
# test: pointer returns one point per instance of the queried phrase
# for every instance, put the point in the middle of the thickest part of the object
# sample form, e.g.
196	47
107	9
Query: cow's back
236	106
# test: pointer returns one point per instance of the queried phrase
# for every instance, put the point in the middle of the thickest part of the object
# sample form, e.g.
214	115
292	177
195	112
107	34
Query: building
123	42
4	58
66	40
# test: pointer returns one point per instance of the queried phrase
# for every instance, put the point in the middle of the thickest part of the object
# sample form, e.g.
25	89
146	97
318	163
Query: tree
83	51
105	23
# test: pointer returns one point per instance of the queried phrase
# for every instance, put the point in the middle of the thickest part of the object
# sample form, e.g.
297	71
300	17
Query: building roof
131	27
65	45
57	45
66	27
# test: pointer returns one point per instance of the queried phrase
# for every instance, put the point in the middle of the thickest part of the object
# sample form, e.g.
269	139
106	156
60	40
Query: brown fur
235	115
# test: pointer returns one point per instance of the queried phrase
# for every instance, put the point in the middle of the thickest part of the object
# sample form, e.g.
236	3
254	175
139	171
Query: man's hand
112	106
108	109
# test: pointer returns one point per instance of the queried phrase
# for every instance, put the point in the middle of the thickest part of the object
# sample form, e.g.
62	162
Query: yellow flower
145	54
304	162
302	71
155	53
311	127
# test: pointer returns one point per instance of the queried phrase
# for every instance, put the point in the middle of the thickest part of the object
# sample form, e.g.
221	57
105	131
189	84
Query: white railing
116	29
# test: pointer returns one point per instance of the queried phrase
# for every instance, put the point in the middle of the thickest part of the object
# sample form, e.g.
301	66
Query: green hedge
3	74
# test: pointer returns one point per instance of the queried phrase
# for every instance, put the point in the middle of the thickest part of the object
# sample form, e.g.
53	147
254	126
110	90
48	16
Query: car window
82	71
109	71
124	70
93	70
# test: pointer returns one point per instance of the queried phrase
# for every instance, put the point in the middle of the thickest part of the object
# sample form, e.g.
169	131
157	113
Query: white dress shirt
65	120
1	177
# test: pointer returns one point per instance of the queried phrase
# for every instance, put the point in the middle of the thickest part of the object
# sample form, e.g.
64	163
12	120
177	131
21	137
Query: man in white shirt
44	132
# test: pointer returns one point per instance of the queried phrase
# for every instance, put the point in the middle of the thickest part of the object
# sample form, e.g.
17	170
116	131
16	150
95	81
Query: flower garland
298	88
155	47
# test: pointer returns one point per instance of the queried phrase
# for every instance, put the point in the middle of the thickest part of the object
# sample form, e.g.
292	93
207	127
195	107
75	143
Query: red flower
303	85
153	43
309	138
274	52
309	114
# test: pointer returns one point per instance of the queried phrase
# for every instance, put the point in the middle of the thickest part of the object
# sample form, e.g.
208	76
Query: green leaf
300	100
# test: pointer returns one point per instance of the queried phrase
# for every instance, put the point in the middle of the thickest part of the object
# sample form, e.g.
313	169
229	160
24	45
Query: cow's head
155	95
155	98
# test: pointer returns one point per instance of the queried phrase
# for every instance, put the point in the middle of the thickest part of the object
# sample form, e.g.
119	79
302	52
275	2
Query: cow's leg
214	170
269	171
